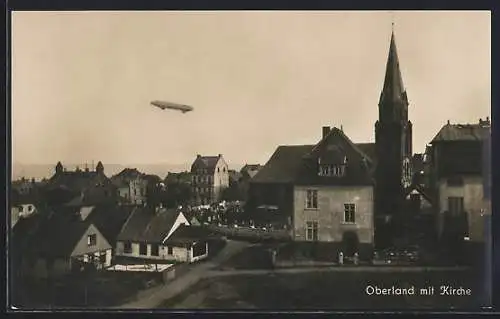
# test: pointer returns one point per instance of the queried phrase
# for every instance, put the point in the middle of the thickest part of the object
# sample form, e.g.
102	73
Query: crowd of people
232	214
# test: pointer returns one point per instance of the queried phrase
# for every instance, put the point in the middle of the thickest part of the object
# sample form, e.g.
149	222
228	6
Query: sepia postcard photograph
250	160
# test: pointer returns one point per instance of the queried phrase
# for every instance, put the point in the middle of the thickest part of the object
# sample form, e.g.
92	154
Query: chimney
198	156
341	128
326	130
448	122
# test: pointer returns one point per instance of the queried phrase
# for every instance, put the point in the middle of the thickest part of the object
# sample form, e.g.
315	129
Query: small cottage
60	242
156	234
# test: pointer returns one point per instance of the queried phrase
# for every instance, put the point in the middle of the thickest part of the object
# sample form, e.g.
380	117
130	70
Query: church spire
393	90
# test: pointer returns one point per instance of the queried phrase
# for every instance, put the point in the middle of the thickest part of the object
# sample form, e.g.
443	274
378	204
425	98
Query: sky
82	81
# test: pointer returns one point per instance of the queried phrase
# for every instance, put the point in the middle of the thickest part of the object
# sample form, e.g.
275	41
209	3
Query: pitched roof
369	149
292	163
462	132
90	198
123	178
146	225
343	139
421	190
58	232
128	173
336	147
77	181
393	90
151	178
188	234
22	234
207	162
283	165
252	167
250	170
109	219
234	175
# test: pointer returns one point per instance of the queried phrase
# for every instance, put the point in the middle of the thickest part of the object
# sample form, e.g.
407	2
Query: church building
337	195
393	143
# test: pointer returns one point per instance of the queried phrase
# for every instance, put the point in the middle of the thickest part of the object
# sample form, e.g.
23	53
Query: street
152	298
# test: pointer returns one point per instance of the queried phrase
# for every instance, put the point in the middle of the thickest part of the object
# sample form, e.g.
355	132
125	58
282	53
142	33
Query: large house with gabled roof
60	241
324	192
210	176
55	241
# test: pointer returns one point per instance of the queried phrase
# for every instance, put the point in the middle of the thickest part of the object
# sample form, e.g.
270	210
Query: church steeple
393	91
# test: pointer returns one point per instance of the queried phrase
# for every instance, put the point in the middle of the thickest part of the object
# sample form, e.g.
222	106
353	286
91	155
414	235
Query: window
312	199
143	249
332	170
92	240
102	258
155	250
312	231
218	169
349	213
455	205
127	247
170	250
224	169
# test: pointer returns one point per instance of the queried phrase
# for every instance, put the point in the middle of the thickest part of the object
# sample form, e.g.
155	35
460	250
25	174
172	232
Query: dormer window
332	170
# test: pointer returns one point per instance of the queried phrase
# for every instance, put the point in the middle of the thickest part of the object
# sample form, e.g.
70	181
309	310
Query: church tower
393	141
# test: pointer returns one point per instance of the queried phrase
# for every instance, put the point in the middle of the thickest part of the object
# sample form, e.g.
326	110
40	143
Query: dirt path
156	296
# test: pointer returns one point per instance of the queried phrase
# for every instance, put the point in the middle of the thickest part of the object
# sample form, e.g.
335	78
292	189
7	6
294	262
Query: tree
231	193
155	195
177	194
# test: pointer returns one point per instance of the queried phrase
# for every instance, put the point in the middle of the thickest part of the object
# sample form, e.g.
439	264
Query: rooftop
464	132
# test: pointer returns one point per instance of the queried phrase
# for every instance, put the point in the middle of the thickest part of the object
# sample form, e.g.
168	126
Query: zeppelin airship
174	106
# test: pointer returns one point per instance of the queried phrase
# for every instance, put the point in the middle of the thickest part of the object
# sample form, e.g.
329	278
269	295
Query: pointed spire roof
393	90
